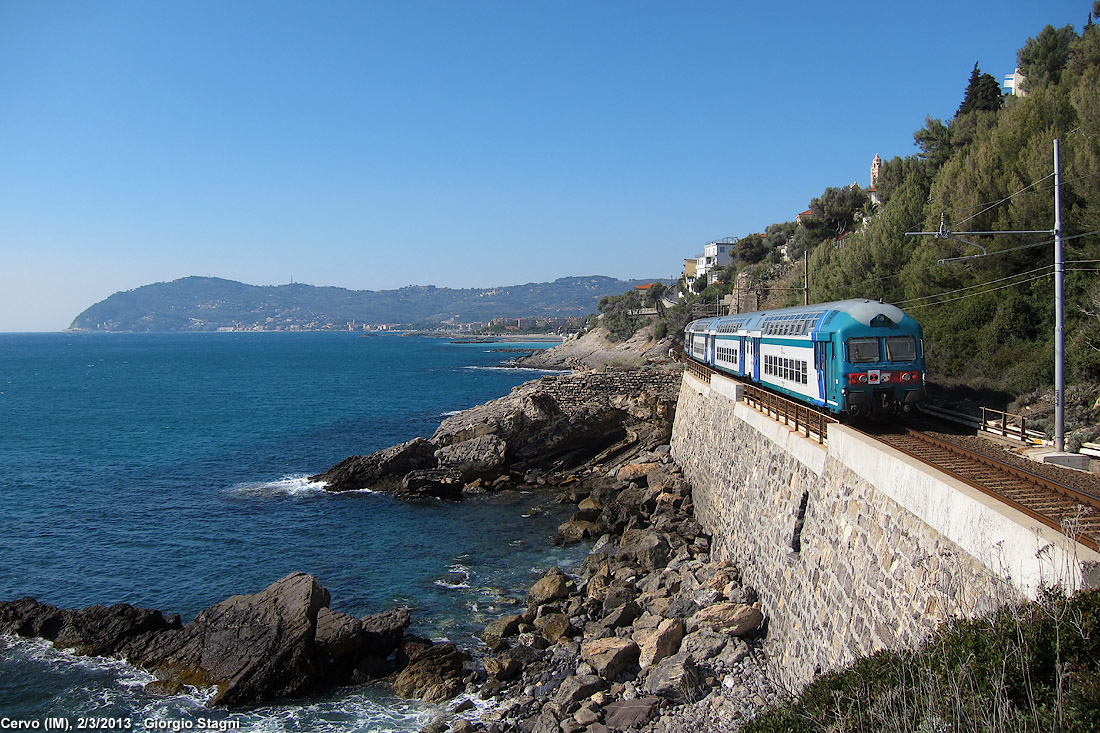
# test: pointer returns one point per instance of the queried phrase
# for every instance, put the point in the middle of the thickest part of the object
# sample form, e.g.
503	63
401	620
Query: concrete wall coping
1005	540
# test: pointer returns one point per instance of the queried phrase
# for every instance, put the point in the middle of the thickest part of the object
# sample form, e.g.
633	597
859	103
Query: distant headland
215	304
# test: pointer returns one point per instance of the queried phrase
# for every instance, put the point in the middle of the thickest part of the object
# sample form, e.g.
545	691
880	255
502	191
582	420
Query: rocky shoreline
281	642
650	634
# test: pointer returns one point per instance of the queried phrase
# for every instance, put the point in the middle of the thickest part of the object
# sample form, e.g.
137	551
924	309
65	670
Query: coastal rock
437	483
610	656
480	457
594	350
675	678
253	647
92	631
280	642
381	470
558	421
637	471
656	644
631	714
433	675
578	688
645	548
552	585
736	619
553	626
501	628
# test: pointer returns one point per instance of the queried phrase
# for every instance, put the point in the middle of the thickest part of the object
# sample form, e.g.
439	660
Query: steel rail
1033	498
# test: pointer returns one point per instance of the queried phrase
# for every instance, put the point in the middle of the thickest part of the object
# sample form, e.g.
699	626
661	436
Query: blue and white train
849	357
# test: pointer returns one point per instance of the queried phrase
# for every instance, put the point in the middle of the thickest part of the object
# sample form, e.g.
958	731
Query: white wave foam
460	574
286	486
528	370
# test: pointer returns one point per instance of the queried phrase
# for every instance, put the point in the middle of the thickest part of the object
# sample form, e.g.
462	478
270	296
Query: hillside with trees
988	319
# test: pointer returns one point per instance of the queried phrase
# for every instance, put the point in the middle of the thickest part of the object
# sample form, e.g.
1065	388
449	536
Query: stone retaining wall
853	547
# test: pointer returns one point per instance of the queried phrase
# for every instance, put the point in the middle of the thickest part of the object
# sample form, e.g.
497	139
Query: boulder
553	626
501	628
437	483
381	470
735	619
609	656
554	584
646	548
704	644
501	668
434	675
624	615
580	529
637	471
253	647
656	644
385	631
631	714
675	678
577	688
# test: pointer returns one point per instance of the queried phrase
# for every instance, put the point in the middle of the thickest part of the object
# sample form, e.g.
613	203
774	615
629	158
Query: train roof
861	310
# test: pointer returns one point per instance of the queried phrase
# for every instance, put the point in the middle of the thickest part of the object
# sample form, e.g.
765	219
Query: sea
170	471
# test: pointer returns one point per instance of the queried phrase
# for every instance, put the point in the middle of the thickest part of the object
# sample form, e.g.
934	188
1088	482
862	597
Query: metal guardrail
997	422
806	420
1008	425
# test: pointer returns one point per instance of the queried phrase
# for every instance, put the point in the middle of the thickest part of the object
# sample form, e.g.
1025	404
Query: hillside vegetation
988	320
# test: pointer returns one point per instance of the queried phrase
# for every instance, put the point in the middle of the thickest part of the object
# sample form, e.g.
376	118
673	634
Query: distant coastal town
493	327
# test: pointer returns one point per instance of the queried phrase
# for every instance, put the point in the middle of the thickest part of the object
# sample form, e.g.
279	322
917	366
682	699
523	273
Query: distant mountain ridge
210	303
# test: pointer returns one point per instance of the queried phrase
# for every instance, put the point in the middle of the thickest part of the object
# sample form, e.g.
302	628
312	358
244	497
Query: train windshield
862	351
901	348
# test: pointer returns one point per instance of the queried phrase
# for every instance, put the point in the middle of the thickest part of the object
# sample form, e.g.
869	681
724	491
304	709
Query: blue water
169	471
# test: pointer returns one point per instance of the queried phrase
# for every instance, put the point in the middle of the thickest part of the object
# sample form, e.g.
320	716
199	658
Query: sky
374	144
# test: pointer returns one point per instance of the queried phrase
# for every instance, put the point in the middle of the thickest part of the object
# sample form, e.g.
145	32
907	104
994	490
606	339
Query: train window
901	348
861	351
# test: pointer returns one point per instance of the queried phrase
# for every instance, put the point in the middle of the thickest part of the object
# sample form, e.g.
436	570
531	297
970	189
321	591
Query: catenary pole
1059	294
1059	312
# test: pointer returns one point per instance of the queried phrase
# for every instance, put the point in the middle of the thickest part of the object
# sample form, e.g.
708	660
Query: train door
821	363
751	345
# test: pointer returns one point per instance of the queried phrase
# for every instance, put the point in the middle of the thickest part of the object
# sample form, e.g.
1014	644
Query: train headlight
906	377
863	378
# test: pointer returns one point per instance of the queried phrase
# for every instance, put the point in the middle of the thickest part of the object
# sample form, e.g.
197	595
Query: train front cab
880	369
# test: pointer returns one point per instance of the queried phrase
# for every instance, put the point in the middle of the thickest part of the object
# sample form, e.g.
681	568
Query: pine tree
983	93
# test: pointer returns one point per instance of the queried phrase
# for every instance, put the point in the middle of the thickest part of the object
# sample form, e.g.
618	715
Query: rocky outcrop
381	470
649	634
281	642
595	350
554	423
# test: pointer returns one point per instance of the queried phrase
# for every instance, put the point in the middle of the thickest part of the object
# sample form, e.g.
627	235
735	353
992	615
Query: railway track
1062	508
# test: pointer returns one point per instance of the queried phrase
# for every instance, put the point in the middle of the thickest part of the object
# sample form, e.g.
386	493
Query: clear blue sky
458	143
